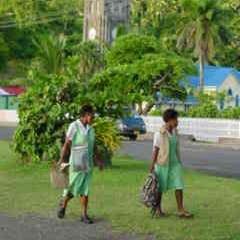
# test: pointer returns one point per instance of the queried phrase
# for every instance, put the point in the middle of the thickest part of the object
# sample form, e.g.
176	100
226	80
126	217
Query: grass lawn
215	201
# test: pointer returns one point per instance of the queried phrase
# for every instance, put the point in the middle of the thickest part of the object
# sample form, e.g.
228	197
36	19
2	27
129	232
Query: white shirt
157	137
73	128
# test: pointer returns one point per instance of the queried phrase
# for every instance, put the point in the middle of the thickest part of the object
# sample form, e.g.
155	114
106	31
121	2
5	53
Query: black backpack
149	193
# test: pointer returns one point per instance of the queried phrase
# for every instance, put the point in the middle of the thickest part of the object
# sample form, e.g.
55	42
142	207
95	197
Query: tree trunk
201	62
148	108
140	108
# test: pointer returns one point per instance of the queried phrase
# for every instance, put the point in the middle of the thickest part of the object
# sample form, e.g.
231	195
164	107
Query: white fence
202	129
8	118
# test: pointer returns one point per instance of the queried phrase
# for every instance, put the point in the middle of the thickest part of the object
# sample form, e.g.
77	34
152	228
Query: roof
3	93
214	76
14	90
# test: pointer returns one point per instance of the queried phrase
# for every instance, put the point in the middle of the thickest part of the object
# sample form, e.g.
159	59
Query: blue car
131	127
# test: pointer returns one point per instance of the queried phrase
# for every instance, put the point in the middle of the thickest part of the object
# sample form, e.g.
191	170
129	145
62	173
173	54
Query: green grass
215	201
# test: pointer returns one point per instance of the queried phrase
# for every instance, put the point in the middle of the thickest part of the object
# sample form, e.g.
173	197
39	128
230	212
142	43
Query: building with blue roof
217	80
220	80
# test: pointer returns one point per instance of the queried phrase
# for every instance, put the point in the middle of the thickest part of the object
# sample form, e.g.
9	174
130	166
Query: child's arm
98	161
156	143
154	158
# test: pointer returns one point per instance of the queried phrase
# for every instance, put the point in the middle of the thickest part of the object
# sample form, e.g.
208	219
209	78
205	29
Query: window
230	92
221	104
237	101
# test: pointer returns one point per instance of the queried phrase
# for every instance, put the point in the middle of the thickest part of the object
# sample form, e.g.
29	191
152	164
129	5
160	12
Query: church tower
103	17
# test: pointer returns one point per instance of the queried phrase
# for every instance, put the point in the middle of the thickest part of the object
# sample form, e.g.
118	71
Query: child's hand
63	166
101	166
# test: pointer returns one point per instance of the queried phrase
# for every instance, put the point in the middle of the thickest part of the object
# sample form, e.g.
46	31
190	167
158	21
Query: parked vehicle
131	127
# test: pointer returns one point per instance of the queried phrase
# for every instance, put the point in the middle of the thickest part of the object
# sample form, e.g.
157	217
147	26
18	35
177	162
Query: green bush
205	110
156	112
45	112
230	113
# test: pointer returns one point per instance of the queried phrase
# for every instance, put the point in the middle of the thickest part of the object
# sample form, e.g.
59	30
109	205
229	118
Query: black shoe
61	213
86	220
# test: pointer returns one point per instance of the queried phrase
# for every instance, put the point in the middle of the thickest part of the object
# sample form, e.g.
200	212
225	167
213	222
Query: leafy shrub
205	110
45	112
230	113
156	112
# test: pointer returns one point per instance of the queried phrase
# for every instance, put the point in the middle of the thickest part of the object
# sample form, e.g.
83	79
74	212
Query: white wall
201	128
8	118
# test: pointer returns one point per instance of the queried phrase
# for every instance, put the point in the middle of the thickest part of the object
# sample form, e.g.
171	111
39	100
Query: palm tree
91	59
201	27
51	52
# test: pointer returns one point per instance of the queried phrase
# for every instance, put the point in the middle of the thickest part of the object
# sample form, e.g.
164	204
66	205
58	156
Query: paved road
6	133
212	159
32	227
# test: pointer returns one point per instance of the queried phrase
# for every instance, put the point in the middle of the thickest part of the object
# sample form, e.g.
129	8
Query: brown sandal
185	214
160	214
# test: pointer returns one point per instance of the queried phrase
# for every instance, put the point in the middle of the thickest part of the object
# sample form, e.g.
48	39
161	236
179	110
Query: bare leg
181	211
63	205
66	200
84	205
159	205
179	199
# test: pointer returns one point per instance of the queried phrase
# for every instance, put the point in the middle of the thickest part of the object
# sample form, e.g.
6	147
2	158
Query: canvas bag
79	153
149	193
58	178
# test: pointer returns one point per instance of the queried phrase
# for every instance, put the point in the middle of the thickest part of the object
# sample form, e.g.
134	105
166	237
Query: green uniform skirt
170	176
79	182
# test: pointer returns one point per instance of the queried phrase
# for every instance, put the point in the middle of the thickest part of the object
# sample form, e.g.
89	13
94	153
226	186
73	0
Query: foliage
107	133
46	110
4	51
22	22
152	16
43	121
91	58
230	113
51	53
127	49
26	13
202	26
163	70
107	138
205	110
156	112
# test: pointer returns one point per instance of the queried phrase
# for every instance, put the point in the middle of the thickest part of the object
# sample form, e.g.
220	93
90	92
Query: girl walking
80	139
167	162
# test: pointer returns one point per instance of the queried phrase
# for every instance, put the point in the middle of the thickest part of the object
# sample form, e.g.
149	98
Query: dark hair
170	114
86	109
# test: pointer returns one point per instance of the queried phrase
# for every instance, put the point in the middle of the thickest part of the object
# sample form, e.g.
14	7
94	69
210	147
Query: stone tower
102	18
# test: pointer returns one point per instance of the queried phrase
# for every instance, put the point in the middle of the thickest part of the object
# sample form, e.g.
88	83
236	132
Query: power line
37	21
56	16
53	14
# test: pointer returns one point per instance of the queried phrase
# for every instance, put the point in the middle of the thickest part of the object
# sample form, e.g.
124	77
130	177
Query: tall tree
202	26
150	16
136	68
